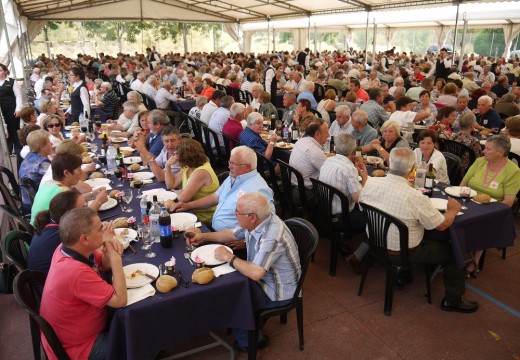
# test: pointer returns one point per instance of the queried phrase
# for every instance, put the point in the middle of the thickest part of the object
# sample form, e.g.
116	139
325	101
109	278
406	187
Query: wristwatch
272	143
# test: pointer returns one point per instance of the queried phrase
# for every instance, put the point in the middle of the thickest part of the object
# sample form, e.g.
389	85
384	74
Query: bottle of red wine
429	181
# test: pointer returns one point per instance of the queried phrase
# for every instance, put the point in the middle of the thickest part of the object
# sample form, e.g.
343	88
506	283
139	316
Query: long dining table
138	331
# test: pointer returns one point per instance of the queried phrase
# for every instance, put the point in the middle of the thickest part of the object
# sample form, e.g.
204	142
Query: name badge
485	121
493	185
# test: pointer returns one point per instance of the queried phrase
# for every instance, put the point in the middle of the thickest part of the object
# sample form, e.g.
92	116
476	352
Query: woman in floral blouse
467	124
445	119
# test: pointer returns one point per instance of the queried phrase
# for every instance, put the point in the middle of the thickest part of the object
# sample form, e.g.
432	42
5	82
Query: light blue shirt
228	194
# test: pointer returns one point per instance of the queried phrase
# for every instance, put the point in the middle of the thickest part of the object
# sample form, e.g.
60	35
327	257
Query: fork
140	272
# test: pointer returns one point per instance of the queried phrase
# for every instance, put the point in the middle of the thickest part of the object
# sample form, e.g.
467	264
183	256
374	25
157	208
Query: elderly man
233	126
307	155
469	82
343	171
243	178
298	84
150	87
138	82
399	81
289	104
414	92
164	96
272	255
392	194
487	117
362	132
361	94
211	106
157	120
342	123
75	297
250	137
256	90
461	110
308	94
506	105
106	101
170	138
128	121
377	115
219	118
487	76
399	92
502	86
337	82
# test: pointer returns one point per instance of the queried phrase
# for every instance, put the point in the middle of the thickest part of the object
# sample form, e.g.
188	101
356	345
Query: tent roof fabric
207	10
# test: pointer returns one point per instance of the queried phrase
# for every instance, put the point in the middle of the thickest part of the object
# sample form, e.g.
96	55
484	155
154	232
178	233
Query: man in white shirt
128	121
219	118
164	96
211	106
298	83
342	123
138	82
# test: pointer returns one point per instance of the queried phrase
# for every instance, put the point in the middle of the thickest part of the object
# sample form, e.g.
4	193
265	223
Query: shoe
262	344
404	277
354	262
462	305
472	273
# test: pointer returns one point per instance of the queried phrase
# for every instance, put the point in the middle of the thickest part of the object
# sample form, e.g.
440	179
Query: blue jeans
99	349
241	335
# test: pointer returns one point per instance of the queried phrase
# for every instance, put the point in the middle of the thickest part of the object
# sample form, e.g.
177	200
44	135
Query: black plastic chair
319	92
216	155
235	93
295	208
15	221
249	97
306	238
454	169
10	200
280	113
328	87
12	181
266	168
27	293
17	248
195	126
514	158
222	177
458	149
378	224
148	101
29	188
337	224
230	143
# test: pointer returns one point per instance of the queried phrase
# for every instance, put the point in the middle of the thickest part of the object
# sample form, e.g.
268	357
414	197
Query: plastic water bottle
143	205
111	159
154	214
285	134
326	146
165	228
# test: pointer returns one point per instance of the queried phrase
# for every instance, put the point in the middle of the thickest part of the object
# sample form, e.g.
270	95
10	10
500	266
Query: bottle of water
111	159
326	146
143	205
155	212
285	134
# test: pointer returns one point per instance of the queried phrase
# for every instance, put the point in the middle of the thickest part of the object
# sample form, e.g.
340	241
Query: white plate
132	160
439	204
134	280
162	196
84	166
118	139
179	219
145	175
111	203
97	182
483	142
70	127
455	191
284	145
125	239
374	160
420	127
69	135
127	148
490	201
206	253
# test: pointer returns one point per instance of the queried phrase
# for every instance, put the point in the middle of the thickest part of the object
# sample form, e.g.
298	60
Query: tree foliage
490	42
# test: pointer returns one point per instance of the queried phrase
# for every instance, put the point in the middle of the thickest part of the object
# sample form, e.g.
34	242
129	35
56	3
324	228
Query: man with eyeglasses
272	255
243	178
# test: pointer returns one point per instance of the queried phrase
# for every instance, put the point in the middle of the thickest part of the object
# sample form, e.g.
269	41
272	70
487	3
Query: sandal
473	272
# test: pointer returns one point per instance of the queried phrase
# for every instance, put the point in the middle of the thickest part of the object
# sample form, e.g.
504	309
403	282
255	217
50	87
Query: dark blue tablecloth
186	104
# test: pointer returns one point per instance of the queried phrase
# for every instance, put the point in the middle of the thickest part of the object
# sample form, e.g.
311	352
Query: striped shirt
271	246
307	157
340	172
377	115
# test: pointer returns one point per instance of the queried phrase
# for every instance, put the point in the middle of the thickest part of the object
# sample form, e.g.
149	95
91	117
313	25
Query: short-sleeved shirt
340	172
366	135
506	182
228	194
251	139
377	115
336	129
271	246
46	192
232	129
393	195
439	164
162	158
154	143
307	157
405	120
490	120
42	248
74	303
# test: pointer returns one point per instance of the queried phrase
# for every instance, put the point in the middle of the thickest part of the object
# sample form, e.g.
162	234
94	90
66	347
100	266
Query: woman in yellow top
493	174
197	177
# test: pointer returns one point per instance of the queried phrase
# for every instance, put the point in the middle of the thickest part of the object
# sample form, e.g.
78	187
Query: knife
109	216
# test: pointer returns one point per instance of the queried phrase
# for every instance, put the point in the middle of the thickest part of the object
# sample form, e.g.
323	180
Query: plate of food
162	196
145	175
132	160
70	127
125	236
74	133
111	203
206	254
85	166
136	274
284	145
455	191
180	219
374	160
483	199
127	148
118	139
97	182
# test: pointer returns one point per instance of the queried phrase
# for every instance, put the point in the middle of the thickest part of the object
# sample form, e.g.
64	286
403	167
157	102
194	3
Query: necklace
485	181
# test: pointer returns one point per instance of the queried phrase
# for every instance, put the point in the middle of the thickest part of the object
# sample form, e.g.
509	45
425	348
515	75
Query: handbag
7	274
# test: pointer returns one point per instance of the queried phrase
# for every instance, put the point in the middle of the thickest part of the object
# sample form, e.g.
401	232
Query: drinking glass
147	239
189	233
138	184
118	174
140	227
119	199
127	198
465	193
94	148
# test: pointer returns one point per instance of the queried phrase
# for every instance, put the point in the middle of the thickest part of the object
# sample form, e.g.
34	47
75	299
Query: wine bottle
358	148
429	180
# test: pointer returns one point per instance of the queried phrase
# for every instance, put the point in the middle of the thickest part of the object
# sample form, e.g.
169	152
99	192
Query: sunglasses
50	126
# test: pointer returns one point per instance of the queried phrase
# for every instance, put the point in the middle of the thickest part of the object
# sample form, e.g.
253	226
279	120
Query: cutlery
109	216
132	249
140	272
188	257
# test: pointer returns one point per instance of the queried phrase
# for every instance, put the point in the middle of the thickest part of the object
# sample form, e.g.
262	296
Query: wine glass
127	198
138	184
465	193
118	174
140	227
148	241
189	233
94	148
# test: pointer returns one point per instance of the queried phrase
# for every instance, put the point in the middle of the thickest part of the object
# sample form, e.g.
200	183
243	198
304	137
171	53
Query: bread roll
87	160
126	153
134	167
121	222
97	175
168	203
113	194
166	283
203	276
483	198
75	123
378	173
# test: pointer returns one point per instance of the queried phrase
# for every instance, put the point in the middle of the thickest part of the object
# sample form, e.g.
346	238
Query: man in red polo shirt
355	86
233	127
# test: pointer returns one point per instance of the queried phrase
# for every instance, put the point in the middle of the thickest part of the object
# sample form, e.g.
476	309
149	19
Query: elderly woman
22	137
426	154
54	125
46	107
137	98
406	118
390	139
199	104
36	163
47	236
328	103
351	101
512	130
493	174
449	96
106	102
197	177
303	115
207	88
467	124
424	103
445	120
142	130
437	88
267	109
373	81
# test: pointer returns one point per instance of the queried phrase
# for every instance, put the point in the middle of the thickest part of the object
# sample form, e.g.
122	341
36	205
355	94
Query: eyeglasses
50	126
243	214
231	163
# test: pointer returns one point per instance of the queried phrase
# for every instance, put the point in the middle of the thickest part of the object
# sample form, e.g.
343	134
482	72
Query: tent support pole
374	41
9	51
308	33
455	35
462	41
366	36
